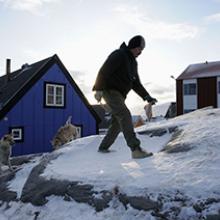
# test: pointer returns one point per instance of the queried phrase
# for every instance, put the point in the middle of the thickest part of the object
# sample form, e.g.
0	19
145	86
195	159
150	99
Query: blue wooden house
36	100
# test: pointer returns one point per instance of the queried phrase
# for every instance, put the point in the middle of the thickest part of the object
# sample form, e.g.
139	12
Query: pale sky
83	33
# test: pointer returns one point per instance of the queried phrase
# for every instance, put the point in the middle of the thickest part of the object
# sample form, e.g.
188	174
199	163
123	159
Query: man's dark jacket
119	72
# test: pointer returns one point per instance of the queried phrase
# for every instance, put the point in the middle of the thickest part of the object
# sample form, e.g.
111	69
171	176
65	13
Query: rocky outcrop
5	194
158	132
173	146
37	189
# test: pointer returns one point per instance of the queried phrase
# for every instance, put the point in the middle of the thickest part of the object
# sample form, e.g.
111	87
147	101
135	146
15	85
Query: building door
207	90
189	95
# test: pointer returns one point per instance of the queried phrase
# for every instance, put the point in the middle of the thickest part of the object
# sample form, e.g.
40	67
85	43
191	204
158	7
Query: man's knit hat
136	41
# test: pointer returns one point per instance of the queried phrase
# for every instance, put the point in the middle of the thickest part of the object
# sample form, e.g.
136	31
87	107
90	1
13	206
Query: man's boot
139	153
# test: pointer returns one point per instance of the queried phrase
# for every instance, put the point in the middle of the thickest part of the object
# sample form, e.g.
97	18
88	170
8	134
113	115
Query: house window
17	133
55	95
79	131
190	89
218	87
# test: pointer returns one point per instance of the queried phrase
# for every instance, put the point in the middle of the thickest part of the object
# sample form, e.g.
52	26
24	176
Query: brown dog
5	151
65	134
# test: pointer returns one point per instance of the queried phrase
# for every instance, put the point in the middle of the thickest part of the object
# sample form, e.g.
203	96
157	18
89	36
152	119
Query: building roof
201	70
23	79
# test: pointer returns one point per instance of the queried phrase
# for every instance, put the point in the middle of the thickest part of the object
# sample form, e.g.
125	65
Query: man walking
117	76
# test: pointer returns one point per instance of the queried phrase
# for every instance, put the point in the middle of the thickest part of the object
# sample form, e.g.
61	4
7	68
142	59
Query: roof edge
42	70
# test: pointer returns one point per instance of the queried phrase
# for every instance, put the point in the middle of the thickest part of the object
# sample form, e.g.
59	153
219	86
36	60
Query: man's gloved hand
98	95
151	100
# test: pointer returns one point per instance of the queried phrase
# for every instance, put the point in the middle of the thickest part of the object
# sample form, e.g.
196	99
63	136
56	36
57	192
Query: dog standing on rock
5	151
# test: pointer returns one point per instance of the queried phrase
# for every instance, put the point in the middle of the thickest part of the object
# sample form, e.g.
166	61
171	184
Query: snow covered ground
194	173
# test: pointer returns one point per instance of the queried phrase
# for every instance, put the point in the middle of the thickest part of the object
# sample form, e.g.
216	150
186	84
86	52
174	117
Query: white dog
148	111
5	151
65	134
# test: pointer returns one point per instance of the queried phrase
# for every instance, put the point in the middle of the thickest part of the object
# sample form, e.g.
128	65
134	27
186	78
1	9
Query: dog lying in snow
65	134
5	151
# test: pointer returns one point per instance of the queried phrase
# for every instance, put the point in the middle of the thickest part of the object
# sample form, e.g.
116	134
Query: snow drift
181	180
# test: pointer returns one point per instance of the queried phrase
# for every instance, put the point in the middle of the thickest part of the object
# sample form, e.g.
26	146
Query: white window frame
189	91
54	95
79	131
20	134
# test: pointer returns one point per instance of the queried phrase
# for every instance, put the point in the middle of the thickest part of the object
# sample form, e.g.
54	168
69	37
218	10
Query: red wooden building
198	86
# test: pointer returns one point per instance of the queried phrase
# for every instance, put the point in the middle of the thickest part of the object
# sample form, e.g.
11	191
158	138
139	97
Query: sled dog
6	143
65	134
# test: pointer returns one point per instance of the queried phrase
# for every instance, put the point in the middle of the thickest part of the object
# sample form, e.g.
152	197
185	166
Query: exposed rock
174	146
158	132
140	203
102	202
19	160
80	193
5	194
213	217
36	188
152	133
